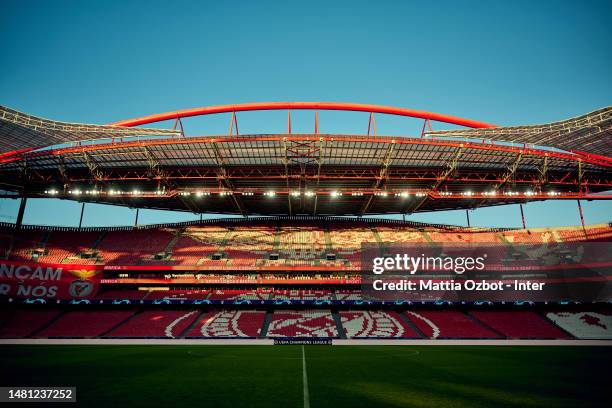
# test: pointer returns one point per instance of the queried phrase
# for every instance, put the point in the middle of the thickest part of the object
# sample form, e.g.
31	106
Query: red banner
49	281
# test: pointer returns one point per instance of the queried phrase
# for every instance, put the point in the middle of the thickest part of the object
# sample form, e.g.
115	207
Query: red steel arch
357	107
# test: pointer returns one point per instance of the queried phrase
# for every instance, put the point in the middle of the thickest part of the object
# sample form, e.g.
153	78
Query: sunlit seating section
375	324
536	236
346	243
210	237
399	235
585	325
197	244
592	233
229	323
306	323
350	238
301	243
245	245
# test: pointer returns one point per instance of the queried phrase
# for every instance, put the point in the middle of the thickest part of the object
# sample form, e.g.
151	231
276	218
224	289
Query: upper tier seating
229	323
91	323
197	244
156	323
66	246
23	323
23	245
375	324
131	247
301	243
306	323
520	325
401	235
245	245
449	324
585	325
242	246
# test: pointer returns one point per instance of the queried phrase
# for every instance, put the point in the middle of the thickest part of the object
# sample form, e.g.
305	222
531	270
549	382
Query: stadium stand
351	295
88	324
121	248
246	245
122	294
304	323
449	324
23	323
239	294
156	323
375	324
177	294
299	294
229	323
520	325
65	247
26	246
584	325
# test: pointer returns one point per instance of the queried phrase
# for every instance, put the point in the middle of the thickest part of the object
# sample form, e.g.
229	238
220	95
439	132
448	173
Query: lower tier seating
298	294
444	324
23	323
122	294
178	294
584	325
520	325
375	324
85	323
239	294
156	323
229	323
306	323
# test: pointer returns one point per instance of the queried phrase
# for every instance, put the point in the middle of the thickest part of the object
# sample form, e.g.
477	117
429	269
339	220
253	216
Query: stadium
287	262
319	204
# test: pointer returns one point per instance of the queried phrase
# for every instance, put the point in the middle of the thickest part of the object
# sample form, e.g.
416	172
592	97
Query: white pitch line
305	380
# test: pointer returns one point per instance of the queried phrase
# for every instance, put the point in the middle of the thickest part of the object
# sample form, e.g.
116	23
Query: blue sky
507	63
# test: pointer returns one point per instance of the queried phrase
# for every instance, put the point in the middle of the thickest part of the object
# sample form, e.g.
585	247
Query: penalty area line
305	379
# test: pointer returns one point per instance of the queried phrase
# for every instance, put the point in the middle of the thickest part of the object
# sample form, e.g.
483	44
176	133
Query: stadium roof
589	133
315	174
20	131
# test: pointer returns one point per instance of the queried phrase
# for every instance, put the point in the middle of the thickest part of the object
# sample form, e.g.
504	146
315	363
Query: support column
581	218
136	219
467	214
81	219
22	206
522	216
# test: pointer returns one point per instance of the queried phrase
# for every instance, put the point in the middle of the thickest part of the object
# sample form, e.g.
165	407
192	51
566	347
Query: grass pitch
343	376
